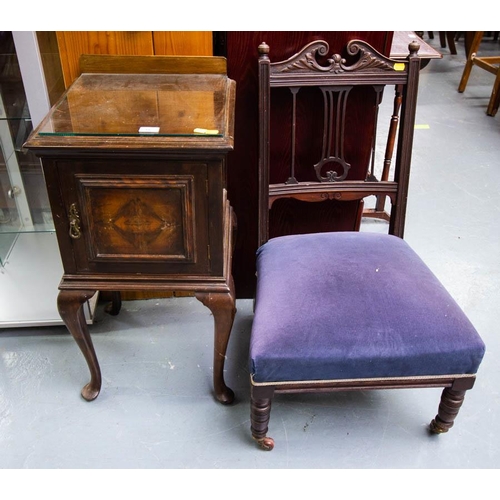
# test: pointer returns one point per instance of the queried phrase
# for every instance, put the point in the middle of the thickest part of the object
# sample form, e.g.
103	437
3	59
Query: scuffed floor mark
309	422
286	441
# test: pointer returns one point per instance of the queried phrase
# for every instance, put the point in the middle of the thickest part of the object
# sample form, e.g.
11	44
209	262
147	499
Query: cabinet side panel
59	214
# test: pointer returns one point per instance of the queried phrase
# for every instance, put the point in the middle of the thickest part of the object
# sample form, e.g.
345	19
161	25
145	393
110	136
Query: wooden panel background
74	43
183	43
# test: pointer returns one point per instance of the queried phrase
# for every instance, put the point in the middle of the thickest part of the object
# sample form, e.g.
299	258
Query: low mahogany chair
347	310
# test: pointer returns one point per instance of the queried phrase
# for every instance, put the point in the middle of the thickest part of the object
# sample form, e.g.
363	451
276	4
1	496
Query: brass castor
266	443
435	428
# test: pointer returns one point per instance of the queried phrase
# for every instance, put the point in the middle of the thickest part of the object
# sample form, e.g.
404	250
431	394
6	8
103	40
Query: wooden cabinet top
141	111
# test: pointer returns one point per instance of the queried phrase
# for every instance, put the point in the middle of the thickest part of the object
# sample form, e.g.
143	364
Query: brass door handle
74	222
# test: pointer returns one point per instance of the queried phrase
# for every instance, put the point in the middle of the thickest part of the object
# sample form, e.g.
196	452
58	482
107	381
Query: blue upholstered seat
378	312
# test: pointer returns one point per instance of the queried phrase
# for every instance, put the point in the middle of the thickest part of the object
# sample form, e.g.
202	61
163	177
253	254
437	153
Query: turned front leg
451	401
223	308
70	305
260	414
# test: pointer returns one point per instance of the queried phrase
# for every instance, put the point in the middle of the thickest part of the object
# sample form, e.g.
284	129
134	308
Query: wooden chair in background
488	63
446	37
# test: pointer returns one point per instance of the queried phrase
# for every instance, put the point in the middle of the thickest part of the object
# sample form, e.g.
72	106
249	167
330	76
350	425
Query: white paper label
149	130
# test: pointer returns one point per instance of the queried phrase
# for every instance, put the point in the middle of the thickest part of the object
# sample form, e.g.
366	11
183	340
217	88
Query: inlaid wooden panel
139	218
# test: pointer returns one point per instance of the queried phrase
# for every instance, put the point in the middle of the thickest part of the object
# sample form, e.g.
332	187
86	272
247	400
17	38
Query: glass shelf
24	205
135	105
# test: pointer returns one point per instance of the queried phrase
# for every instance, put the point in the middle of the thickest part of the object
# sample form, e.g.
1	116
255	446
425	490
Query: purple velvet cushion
354	305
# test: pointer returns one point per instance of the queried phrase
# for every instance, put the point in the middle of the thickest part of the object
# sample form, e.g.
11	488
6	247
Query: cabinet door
136	216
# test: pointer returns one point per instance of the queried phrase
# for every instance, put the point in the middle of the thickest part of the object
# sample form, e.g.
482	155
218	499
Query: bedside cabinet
135	166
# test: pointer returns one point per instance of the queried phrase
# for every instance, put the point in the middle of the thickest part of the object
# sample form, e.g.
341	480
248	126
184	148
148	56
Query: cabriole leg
451	401
223	307
70	306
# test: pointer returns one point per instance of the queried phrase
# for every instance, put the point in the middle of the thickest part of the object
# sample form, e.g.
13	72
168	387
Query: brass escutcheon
74	222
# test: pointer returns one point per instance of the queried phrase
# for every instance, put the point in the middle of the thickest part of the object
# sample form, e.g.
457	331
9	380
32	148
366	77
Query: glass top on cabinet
141	104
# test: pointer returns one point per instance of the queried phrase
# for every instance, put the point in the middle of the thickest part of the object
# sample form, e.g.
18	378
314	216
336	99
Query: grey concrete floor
156	409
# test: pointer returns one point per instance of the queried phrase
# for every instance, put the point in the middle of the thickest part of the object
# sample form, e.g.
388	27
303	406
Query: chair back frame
337	77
